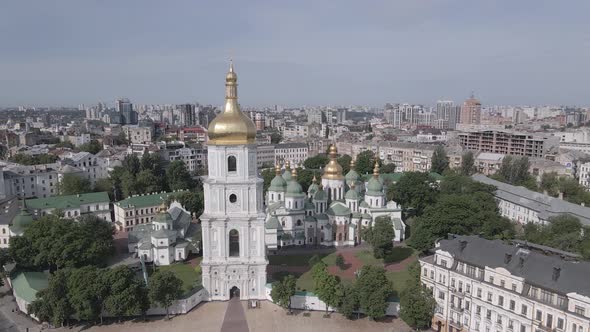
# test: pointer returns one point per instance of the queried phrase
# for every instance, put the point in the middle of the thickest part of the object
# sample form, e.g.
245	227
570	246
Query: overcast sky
66	52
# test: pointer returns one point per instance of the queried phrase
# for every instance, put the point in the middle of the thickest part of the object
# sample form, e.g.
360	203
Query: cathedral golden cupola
232	127
333	171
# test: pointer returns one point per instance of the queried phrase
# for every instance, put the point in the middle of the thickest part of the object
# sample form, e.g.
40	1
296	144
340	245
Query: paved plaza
209	317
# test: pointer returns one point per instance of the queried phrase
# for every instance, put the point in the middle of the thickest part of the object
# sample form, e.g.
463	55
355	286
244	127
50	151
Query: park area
188	272
295	261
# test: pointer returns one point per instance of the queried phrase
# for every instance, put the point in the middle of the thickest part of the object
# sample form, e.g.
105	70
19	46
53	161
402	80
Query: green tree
414	191
152	162
105	185
380	236
316	162
39	159
416	302
283	290
350	301
467	163
326	286
340	262
267	176
132	164
178	177
93	147
344	161
164	289
146	182
191	200
373	291
72	184
440	161
87	290
52	304
388	168
128	295
276	137
365	162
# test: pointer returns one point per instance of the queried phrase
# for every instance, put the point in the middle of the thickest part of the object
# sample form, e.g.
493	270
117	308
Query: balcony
455	324
456	308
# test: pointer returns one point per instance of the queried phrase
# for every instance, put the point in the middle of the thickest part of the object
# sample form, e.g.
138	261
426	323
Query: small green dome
21	220
375	185
294	187
320	195
163	217
287	175
352	194
278	183
352	176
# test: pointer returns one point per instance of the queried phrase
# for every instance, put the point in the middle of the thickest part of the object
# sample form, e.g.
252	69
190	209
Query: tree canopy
54	242
178	177
72	184
380	236
467	163
164	288
564	232
365	162
373	289
440	161
25	159
93	147
416	302
283	290
414	190
515	170
316	162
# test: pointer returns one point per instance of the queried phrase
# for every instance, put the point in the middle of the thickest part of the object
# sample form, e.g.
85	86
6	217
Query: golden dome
333	170
231	127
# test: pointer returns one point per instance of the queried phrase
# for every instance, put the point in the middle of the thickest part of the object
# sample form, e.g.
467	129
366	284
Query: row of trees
563	232
440	162
88	292
369	293
53	242
569	187
25	159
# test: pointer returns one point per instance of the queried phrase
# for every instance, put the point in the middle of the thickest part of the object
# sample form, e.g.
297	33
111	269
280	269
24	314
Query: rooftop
69	201
140	201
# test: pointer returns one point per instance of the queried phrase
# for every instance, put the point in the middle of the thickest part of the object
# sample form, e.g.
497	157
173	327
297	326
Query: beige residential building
507	142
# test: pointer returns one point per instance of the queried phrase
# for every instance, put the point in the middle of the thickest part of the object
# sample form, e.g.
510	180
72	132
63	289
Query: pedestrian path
235	318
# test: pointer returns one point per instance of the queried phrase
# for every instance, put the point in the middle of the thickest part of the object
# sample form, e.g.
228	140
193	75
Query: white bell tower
234	253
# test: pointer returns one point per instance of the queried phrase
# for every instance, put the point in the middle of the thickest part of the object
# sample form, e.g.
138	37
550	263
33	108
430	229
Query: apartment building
9	208
295	153
506	142
483	285
407	157
138	135
524	206
584	175
139	209
90	165
265	155
195	157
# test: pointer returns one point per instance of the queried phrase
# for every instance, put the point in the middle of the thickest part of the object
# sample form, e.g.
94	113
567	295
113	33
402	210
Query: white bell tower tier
234	253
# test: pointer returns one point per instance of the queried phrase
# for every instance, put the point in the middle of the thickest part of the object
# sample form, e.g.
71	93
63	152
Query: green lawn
190	276
366	256
399	280
295	260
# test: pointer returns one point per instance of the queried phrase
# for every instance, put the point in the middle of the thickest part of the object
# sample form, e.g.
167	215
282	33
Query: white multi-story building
139	209
265	154
294	153
483	285
234	254
524	206
195	158
584	175
138	135
89	164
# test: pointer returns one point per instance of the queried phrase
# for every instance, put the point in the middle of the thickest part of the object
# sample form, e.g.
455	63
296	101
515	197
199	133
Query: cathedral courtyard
209	317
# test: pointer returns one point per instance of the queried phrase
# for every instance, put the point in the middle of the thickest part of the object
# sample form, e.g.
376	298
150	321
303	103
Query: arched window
233	198
234	243
231	164
298	222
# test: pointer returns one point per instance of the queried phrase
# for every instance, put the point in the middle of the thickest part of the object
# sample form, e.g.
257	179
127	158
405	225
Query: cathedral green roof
272	223
352	176
338	209
374	186
352	194
320	195
287	175
21	221
293	187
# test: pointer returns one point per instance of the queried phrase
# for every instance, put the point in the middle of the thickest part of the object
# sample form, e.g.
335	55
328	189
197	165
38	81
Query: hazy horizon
316	53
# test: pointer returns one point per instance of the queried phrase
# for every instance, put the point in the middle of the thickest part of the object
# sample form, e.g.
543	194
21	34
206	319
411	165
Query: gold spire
352	163
333	170
314	180
163	208
376	169
231	127
352	186
287	165
278	169
294	174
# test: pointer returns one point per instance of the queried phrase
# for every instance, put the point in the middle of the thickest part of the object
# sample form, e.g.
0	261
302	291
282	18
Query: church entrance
234	292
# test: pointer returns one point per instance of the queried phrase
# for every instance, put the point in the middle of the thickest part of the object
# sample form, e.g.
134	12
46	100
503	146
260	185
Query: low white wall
181	306
309	301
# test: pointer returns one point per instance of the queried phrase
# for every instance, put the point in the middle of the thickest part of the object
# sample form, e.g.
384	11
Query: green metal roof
277	184
272	223
27	284
141	201
68	202
352	194
394	177
338	209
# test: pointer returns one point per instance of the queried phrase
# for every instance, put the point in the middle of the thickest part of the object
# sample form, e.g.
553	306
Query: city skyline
346	53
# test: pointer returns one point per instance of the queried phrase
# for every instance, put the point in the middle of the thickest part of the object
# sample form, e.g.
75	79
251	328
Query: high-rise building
471	111
234	253
125	109
188	115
